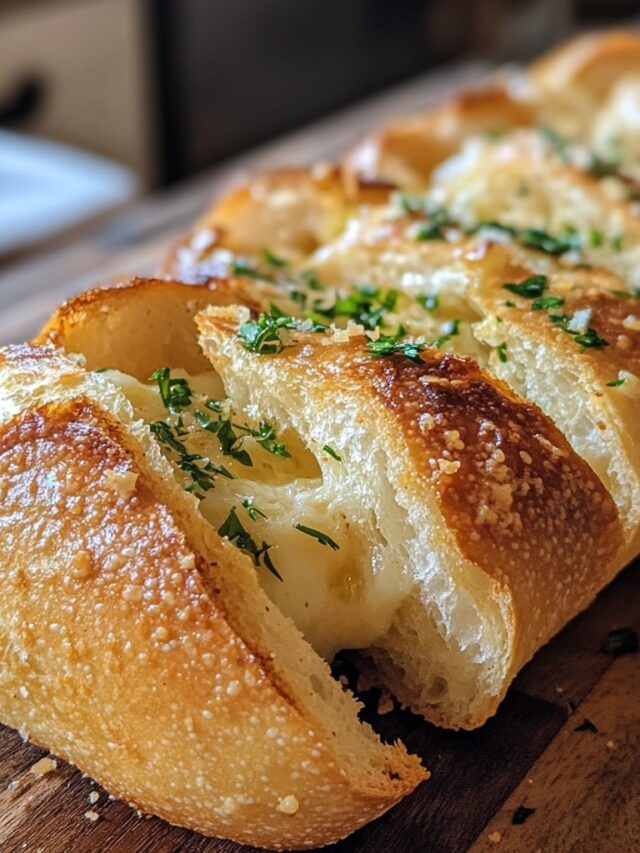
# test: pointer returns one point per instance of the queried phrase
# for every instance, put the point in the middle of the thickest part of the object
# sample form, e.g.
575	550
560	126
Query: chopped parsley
616	383
312	281
429	301
390	345
621	641
201	470
588	339
252	511
230	441
544	302
433	229
322	538
245	271
234	531
501	349
272	260
264	335
521	814
365	305
586	726
530	288
537	238
328	449
175	393
596	238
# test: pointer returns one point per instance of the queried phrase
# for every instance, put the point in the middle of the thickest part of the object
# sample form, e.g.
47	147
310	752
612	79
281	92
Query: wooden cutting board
583	786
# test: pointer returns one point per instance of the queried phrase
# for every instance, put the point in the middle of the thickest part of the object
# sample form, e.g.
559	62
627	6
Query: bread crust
126	648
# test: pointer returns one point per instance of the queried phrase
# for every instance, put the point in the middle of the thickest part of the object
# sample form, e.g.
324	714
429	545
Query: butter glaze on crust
149	658
493	492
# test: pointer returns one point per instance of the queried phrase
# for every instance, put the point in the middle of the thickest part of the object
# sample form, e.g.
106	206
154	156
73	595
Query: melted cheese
343	598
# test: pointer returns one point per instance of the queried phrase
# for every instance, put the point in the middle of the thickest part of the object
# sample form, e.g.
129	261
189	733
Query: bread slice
139	645
474	499
575	352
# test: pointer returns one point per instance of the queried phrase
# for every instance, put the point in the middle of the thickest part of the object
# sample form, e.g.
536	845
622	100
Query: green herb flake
390	345
530	288
175	393
252	510
521	814
621	641
242	269
365	305
264	335
328	449
322	538
596	238
616	383
312	281
233	530
544	302
501	349
591	340
272	260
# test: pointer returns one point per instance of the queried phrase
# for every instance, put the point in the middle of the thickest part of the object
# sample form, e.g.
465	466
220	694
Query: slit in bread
138	644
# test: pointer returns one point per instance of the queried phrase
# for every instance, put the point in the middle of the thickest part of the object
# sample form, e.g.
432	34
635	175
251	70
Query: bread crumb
288	804
495	837
559	689
91	815
385	703
45	765
610	744
93	797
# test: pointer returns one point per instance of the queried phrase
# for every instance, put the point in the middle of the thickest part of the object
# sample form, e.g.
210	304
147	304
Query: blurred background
104	101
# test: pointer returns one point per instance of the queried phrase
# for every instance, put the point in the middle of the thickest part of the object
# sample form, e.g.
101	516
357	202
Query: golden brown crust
121	652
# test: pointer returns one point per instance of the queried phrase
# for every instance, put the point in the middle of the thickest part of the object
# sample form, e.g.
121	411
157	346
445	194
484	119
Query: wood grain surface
583	785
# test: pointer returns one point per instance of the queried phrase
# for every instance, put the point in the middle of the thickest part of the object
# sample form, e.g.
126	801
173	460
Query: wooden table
583	784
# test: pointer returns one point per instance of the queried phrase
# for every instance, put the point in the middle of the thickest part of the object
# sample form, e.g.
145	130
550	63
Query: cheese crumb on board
44	766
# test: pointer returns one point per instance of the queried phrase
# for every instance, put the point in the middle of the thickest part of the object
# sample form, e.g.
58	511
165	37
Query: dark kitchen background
102	100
